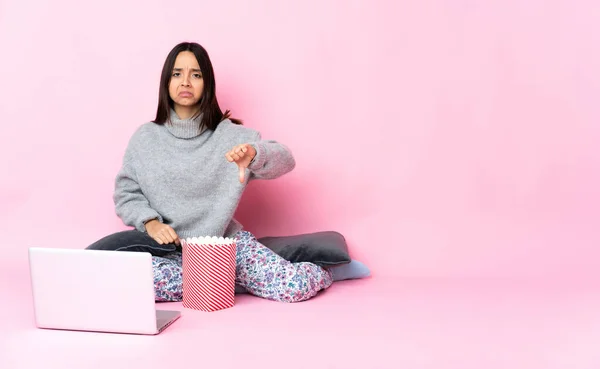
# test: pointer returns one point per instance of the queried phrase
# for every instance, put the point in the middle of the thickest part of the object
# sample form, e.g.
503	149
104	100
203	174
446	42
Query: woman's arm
272	159
130	203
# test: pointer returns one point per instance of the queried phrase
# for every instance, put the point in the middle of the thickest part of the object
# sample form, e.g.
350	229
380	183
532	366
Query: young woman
183	175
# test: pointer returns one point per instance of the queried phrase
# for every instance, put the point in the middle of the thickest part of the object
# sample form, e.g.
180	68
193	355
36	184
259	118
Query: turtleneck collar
184	128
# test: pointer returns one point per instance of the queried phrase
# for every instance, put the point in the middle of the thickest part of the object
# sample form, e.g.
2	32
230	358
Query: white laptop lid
93	290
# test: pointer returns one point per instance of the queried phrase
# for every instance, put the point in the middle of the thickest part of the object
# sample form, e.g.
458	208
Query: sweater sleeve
130	203
272	159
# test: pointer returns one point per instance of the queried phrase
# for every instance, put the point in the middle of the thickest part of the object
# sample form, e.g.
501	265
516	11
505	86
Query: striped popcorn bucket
208	273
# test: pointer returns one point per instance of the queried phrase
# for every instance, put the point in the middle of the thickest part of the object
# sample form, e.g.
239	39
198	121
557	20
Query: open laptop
96	291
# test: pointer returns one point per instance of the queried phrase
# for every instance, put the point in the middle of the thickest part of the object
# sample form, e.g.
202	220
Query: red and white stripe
208	275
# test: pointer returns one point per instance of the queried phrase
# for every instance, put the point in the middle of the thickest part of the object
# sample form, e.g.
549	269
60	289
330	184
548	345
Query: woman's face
186	85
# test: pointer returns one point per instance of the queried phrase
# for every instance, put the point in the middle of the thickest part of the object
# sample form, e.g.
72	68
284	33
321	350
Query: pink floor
374	323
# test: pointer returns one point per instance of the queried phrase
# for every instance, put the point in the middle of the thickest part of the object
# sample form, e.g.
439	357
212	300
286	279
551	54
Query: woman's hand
242	155
161	233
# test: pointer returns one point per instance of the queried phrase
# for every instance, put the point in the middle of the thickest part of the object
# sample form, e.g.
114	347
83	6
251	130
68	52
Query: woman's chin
188	103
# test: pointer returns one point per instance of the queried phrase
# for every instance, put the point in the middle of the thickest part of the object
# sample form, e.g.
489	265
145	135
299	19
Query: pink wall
443	138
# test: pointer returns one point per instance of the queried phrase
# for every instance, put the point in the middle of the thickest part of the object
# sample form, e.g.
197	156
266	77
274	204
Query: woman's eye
197	75
176	74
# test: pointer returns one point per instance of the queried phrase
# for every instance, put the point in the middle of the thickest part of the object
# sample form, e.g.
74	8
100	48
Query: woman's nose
186	80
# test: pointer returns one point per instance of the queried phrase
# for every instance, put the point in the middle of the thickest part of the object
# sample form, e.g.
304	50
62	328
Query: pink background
442	138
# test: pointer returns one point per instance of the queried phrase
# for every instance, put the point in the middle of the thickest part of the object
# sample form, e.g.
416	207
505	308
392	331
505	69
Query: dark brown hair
208	101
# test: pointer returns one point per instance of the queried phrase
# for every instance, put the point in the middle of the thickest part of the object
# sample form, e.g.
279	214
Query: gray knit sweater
178	173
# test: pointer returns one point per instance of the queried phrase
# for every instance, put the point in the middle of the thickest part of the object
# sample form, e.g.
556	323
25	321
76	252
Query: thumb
242	173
